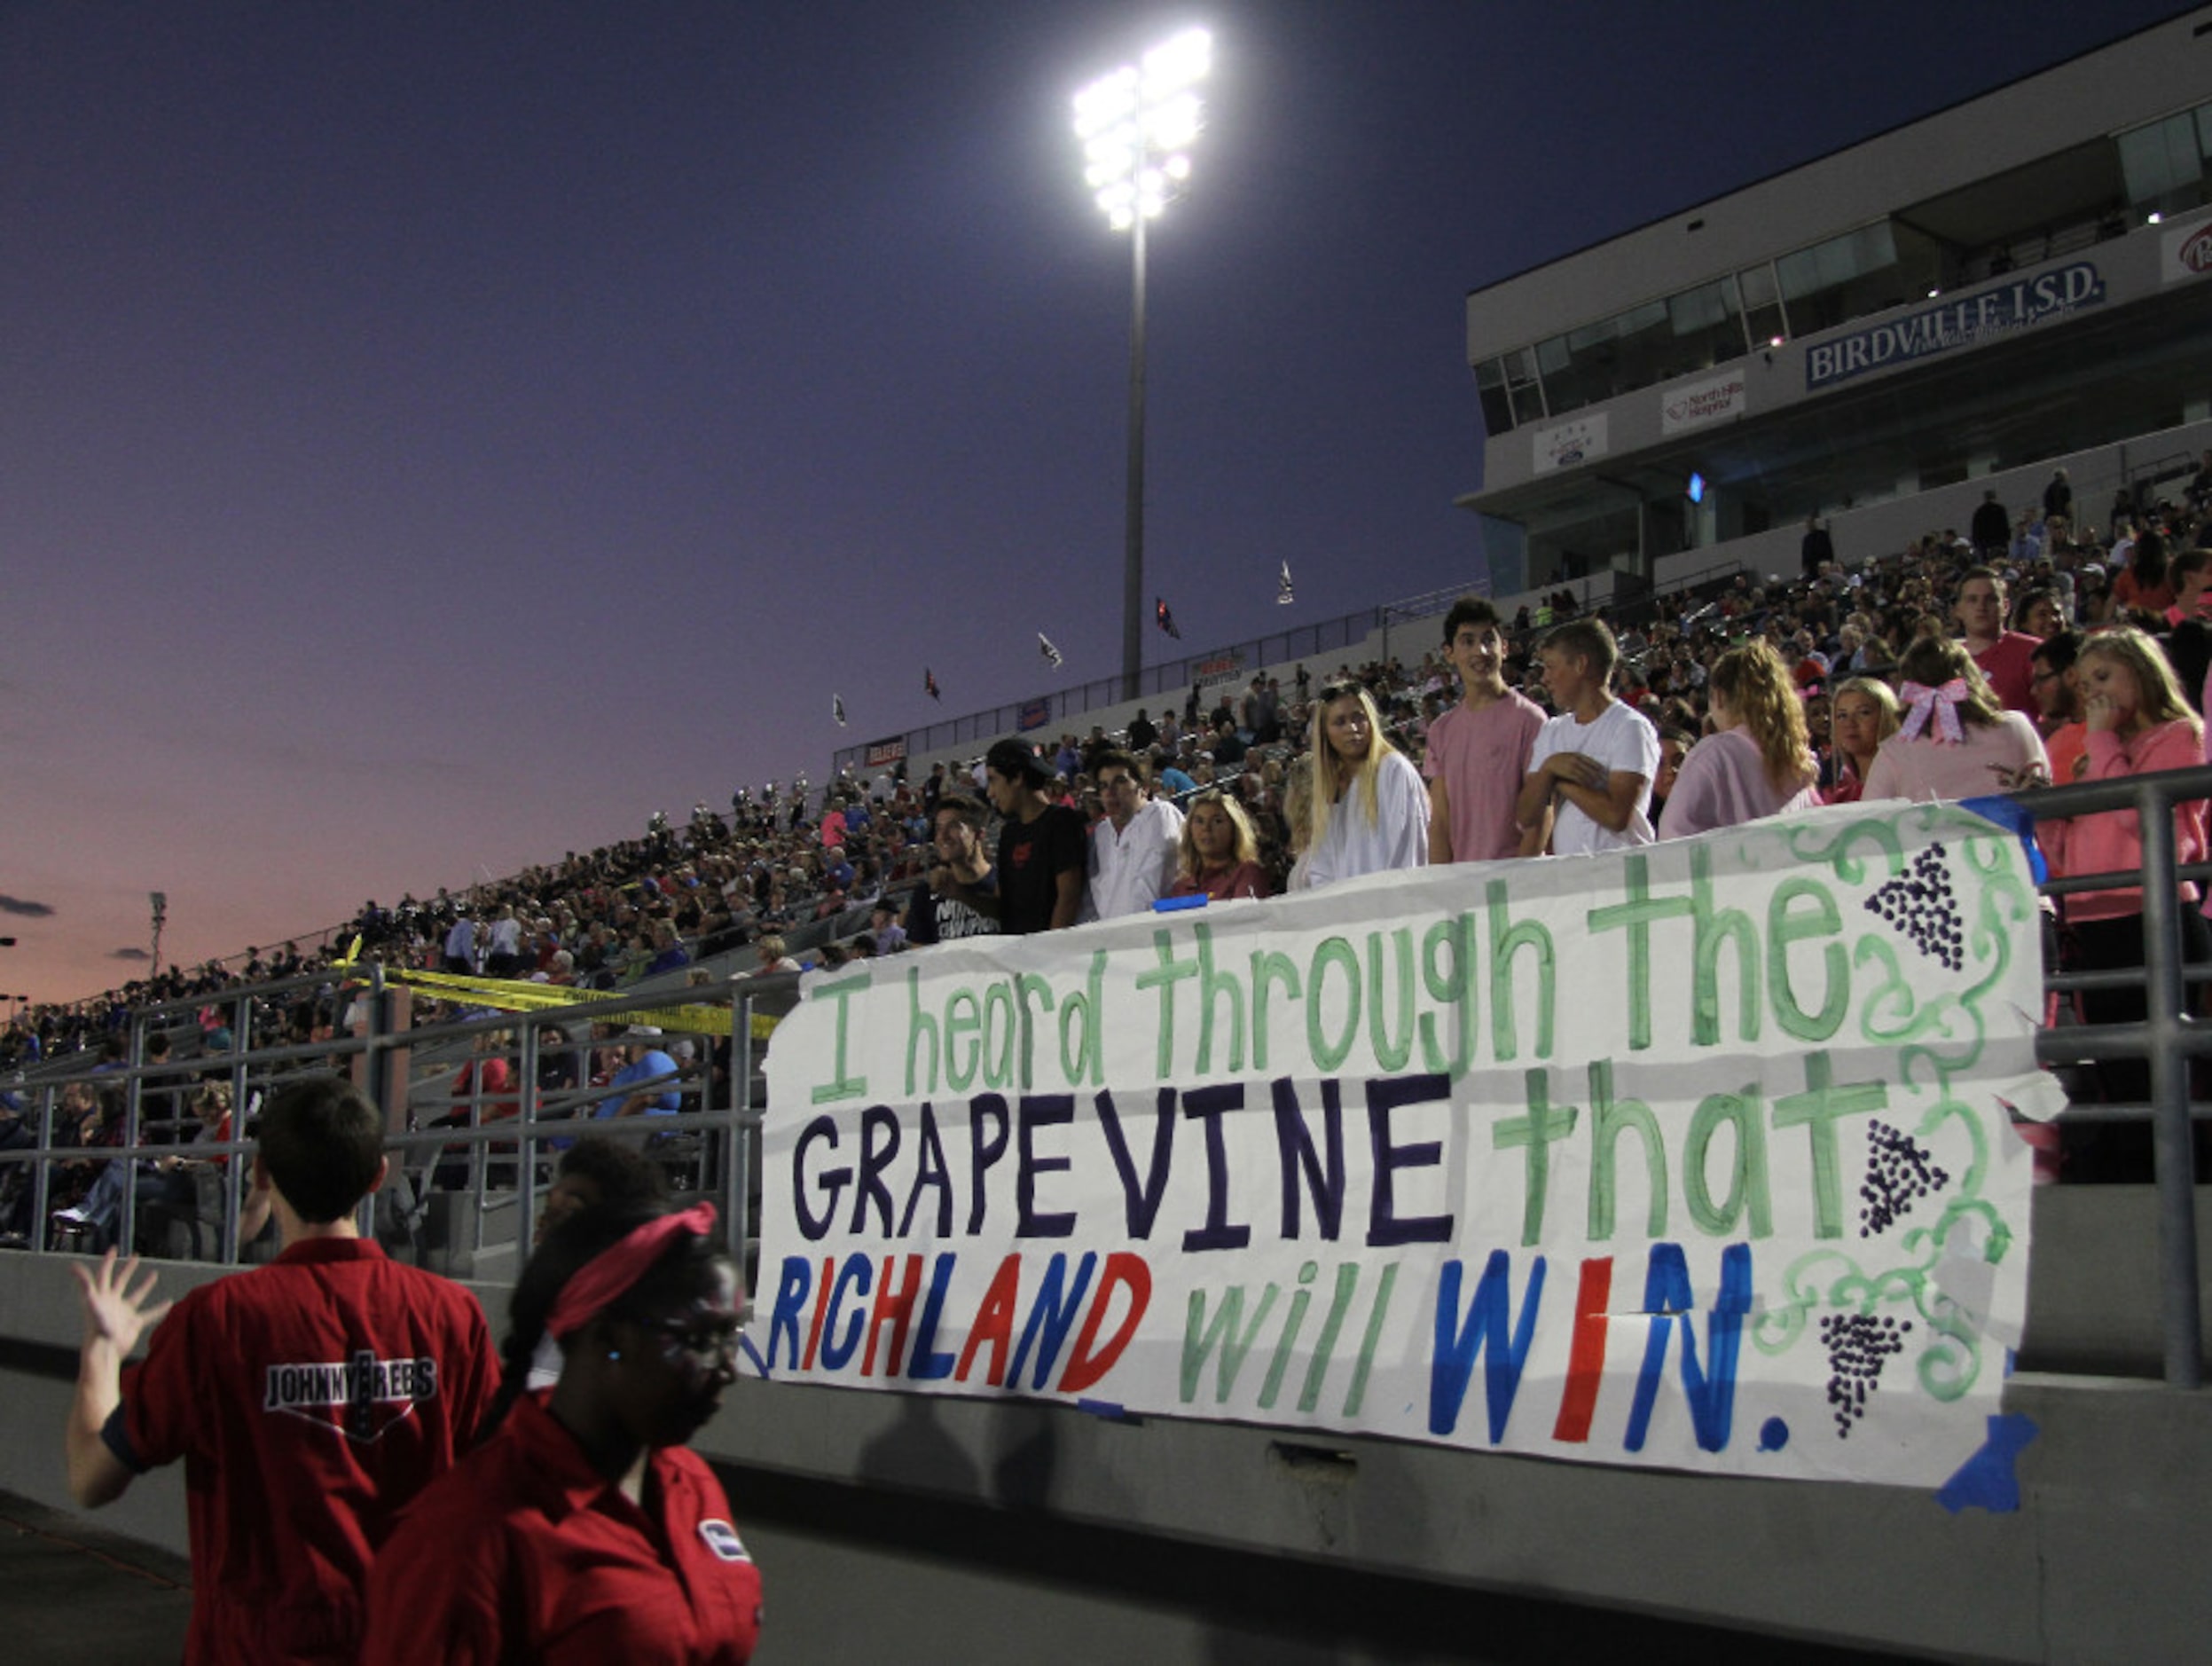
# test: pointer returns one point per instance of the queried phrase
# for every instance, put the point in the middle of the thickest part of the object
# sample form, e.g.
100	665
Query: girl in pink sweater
2139	724
1958	740
1757	762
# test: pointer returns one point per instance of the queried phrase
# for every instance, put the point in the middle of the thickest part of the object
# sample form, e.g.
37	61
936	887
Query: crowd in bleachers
603	919
2038	574
1224	784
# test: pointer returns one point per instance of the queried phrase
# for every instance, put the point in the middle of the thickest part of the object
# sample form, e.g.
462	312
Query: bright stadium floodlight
1137	125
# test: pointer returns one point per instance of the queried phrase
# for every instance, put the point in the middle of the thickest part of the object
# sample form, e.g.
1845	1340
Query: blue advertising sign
2021	304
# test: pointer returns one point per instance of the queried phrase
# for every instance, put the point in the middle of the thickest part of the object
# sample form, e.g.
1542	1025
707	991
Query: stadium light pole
1136	125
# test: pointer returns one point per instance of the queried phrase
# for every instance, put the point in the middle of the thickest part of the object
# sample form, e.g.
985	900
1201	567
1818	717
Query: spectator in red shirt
2144	584
2002	655
2192	576
1218	854
309	1399
2058	705
585	1529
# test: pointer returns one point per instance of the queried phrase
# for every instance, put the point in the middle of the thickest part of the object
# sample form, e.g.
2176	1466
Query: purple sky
434	437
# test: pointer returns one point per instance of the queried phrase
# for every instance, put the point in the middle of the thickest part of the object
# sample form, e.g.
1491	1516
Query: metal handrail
2169	1037
370	1056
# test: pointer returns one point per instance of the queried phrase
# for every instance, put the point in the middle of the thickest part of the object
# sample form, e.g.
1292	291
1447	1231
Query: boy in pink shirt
1478	751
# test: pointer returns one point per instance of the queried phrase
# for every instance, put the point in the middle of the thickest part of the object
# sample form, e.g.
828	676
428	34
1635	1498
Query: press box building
2018	282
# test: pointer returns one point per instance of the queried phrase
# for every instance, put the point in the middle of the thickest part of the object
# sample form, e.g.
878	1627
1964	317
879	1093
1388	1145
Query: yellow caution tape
518	995
504	996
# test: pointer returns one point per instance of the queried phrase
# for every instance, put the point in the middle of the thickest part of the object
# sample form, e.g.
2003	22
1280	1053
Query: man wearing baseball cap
643	1061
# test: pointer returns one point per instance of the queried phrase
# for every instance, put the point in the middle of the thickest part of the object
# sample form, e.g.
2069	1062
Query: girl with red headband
583	1528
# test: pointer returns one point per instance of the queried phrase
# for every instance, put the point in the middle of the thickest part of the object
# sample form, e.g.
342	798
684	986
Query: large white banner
1695	1156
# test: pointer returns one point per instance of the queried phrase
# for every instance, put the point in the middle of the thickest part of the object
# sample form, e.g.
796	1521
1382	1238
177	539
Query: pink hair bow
1943	702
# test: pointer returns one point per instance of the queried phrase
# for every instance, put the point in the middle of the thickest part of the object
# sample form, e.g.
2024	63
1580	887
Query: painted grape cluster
1859	1344
1899	1170
1919	903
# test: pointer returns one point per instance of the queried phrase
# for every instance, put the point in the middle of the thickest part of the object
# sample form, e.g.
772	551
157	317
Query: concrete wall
905	1528
1875	530
1884	529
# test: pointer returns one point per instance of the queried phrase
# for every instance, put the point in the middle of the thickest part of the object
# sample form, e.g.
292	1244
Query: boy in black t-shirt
1042	848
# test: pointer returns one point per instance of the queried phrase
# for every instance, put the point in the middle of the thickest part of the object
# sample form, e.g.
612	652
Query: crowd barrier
708	1145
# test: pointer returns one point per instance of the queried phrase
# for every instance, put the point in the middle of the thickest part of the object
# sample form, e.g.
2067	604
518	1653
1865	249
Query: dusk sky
434	437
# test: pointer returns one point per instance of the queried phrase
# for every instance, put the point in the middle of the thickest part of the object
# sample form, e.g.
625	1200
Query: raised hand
2030	774
115	1310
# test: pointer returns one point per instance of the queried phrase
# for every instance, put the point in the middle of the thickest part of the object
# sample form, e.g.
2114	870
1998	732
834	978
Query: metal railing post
134	1128
526	1142
42	1187
479	1169
2172	1144
234	1174
737	1174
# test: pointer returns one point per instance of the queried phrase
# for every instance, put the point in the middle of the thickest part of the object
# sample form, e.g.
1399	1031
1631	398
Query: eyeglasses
688	1342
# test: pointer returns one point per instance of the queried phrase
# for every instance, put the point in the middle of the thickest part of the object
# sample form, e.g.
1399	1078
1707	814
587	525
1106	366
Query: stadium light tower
1137	125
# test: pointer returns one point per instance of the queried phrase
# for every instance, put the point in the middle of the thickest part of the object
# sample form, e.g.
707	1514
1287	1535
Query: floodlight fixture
1137	125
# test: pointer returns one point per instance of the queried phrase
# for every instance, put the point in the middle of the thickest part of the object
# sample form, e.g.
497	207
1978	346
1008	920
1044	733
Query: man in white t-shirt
505	959
1589	786
461	945
1134	847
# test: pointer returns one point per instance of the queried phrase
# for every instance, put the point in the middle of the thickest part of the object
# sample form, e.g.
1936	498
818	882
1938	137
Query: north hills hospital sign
2021	304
